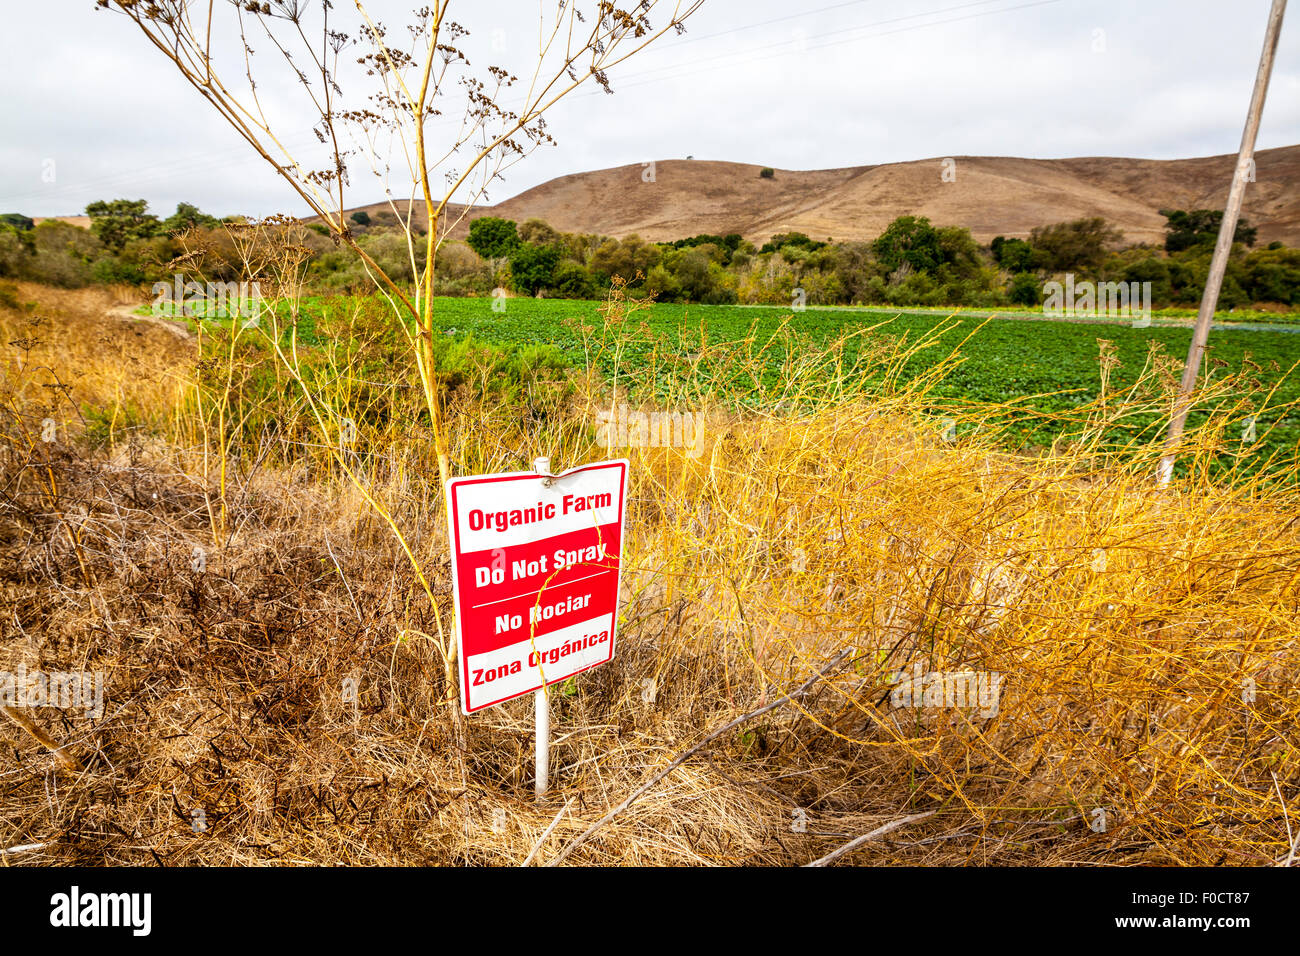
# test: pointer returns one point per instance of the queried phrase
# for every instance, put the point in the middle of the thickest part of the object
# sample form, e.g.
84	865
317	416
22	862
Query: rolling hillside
991	196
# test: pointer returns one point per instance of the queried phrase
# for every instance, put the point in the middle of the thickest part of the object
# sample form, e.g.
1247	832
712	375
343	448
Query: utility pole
1227	229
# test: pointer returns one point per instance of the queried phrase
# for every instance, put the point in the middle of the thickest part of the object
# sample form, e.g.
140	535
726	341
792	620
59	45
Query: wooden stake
1222	248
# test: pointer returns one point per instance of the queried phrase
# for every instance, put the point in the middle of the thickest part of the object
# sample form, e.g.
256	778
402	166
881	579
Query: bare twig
545	833
866	837
65	759
1290	857
1286	817
25	848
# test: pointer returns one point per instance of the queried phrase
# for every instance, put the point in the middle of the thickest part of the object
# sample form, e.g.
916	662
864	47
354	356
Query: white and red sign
535	571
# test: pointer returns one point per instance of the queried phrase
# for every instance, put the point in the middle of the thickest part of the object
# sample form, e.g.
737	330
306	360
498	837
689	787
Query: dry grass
1125	621
1001	196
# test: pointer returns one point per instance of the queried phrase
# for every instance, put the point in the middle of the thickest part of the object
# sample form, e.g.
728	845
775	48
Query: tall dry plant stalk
419	91
424	103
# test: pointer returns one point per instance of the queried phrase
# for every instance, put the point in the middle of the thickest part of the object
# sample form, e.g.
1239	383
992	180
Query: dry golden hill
82	221
991	196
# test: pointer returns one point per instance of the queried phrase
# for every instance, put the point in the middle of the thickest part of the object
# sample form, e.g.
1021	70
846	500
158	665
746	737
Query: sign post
535	562
541	765
541	703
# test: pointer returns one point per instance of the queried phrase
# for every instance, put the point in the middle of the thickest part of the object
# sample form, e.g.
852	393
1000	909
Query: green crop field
1051	366
1042	366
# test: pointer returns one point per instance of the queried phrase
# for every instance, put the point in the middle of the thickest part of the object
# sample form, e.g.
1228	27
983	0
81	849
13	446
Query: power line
764	23
749	57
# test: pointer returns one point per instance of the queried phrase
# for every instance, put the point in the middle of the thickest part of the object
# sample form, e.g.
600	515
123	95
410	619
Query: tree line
911	263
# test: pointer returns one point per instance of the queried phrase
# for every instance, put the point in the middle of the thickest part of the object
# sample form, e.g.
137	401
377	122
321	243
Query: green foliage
1200	227
795	239
1046	365
858	273
63	254
492	237
17	220
187	217
509	372
663	285
912	263
116	269
360	217
1153	270
959	254
14	252
767	172
1024	289
538	231
369	349
1076	245
1015	255
342	270
626	258
570	281
1272	275
119	220
532	267
911	240
694	274
727	245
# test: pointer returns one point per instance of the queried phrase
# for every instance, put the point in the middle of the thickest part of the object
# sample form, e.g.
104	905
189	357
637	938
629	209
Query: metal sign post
542	710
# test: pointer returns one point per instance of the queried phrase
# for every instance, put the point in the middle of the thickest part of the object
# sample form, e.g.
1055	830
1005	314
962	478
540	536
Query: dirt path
176	327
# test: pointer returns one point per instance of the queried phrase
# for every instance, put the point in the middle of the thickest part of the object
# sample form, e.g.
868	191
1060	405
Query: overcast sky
89	104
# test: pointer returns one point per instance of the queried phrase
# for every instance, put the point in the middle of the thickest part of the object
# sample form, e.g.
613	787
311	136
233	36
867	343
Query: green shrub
15	254
63	254
116	221
1016	255
115	269
492	237
911	240
1025	289
1078	245
532	267
571	281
